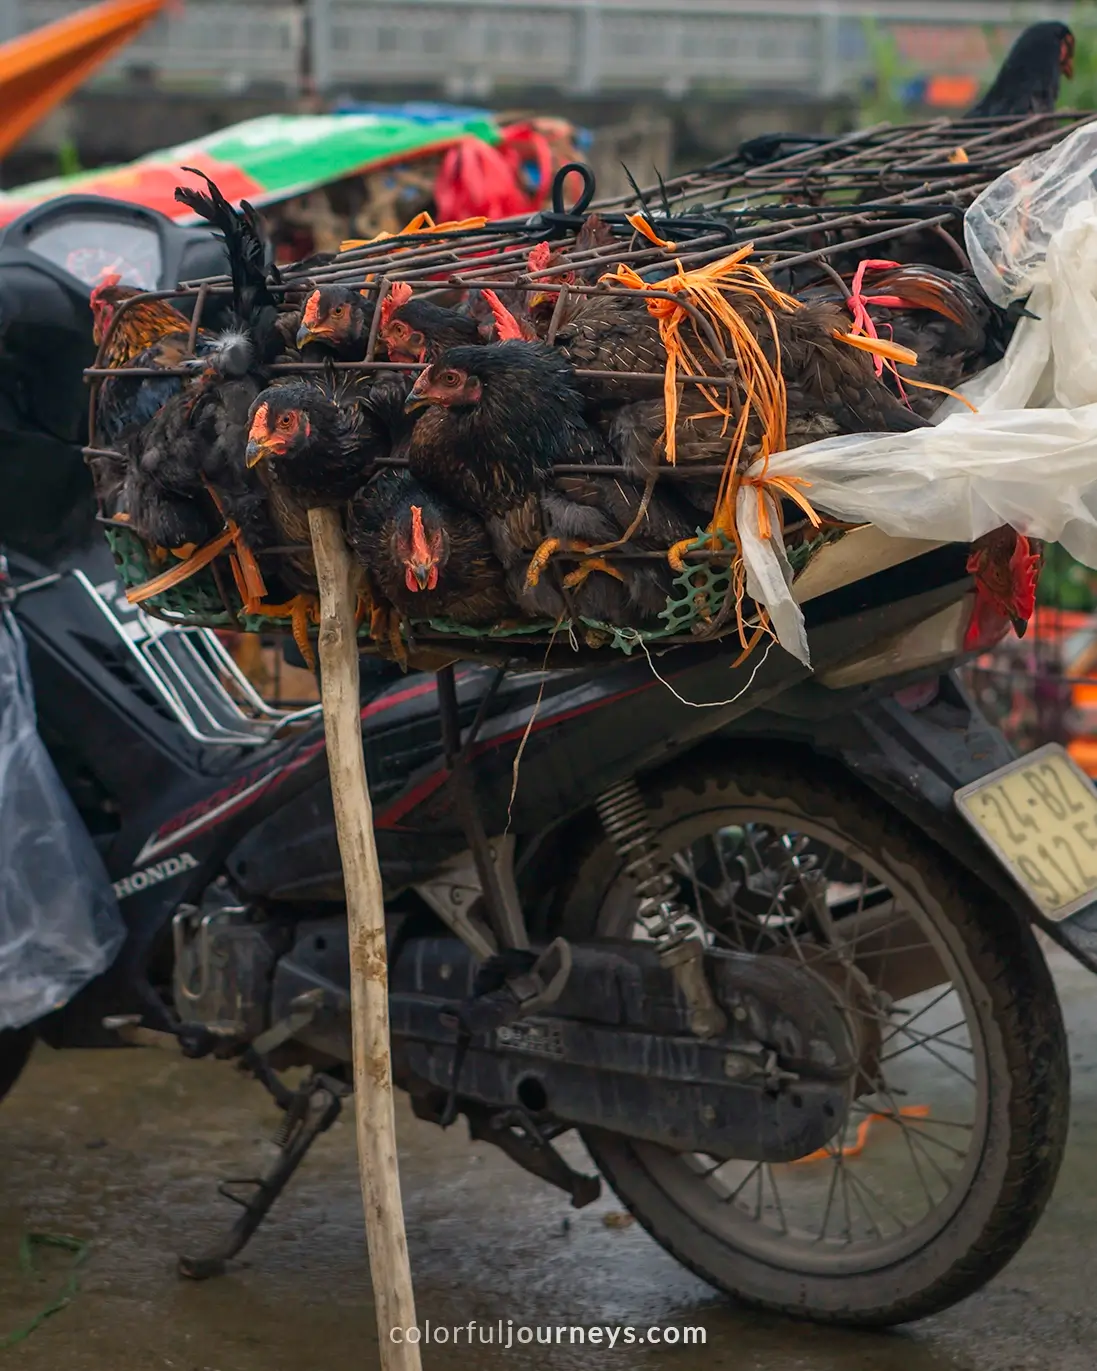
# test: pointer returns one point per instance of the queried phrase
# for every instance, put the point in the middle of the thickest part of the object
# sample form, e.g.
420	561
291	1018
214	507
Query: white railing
477	47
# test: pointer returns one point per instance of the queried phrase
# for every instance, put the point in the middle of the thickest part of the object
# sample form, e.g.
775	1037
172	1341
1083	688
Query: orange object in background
40	69
951	92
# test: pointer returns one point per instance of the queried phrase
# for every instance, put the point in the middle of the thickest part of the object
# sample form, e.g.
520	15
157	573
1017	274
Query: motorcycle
731	926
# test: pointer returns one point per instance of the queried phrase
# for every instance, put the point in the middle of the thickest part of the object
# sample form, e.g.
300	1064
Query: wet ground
122	1149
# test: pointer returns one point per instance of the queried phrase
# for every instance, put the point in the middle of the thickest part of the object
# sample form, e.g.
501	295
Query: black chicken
427	558
500	417
185	475
1028	82
420	331
943	317
334	321
321	438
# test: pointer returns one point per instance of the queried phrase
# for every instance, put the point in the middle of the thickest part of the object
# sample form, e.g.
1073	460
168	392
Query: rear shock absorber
661	912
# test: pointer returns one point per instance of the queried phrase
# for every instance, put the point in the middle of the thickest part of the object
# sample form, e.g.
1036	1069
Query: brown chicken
426	557
946	320
830	386
150	333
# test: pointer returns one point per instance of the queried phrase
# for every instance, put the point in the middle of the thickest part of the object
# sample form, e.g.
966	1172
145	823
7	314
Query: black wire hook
586	195
560	220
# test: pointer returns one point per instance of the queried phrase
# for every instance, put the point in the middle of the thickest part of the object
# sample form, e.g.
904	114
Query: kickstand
310	1111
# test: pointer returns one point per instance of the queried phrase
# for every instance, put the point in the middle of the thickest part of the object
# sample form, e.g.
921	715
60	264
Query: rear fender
916	758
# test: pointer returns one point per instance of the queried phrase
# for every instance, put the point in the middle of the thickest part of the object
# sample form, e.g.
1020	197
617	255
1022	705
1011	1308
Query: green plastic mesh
699	594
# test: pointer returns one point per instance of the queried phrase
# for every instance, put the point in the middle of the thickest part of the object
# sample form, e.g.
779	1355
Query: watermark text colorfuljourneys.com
506	1333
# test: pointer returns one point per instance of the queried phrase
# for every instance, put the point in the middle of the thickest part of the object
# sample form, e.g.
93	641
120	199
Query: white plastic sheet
1028	458
59	920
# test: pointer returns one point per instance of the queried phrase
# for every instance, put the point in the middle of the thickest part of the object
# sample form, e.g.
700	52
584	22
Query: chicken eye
286	422
338	311
450	378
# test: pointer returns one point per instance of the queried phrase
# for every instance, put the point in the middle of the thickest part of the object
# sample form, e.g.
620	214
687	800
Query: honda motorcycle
744	929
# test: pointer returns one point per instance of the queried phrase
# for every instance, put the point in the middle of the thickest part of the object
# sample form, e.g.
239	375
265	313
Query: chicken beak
306	335
416	400
421	571
255	452
1019	626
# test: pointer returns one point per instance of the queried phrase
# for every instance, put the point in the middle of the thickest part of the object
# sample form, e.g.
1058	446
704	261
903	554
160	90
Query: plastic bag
59	921
1009	226
1028	457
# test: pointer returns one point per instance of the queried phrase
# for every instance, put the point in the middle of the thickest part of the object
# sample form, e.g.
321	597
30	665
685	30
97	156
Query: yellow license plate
1039	817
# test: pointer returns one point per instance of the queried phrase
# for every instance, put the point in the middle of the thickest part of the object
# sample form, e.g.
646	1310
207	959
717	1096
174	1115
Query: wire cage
802	218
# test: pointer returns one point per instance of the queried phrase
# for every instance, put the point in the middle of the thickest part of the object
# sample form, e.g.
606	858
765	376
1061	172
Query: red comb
1025	568
507	327
105	282
539	257
399	294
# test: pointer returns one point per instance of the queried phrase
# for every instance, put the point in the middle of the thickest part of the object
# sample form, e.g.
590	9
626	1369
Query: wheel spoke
925	1009
920	1041
760	886
734	1195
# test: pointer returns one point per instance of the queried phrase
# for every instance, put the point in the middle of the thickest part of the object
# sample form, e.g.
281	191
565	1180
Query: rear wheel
958	1121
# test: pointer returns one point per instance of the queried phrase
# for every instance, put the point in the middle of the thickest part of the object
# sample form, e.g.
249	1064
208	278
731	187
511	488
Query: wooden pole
390	1269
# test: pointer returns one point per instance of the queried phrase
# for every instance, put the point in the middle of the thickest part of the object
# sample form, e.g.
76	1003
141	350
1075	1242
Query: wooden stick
390	1269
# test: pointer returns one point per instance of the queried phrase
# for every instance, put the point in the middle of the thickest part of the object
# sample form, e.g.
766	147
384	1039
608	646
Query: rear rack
809	214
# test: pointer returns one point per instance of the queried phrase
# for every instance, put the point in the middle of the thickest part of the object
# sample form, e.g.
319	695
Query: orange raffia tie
245	569
641	225
763	386
854	1149
184	570
421	221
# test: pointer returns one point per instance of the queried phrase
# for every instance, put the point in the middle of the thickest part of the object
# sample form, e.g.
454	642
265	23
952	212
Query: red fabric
478	179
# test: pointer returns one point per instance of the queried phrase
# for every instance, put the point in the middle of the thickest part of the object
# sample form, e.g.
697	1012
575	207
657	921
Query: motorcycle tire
1025	1098
15	1048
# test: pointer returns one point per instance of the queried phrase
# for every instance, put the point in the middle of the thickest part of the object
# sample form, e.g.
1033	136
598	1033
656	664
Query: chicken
594	235
185	468
253	338
150	333
499	418
945	319
428	558
419	330
334	322
1028	82
322	438
830	386
611	332
941	316
1006	566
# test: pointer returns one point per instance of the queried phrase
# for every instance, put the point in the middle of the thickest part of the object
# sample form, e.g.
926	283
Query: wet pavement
123	1149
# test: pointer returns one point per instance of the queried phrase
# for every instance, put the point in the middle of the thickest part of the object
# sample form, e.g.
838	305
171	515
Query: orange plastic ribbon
641	225
421	222
854	1149
184	571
